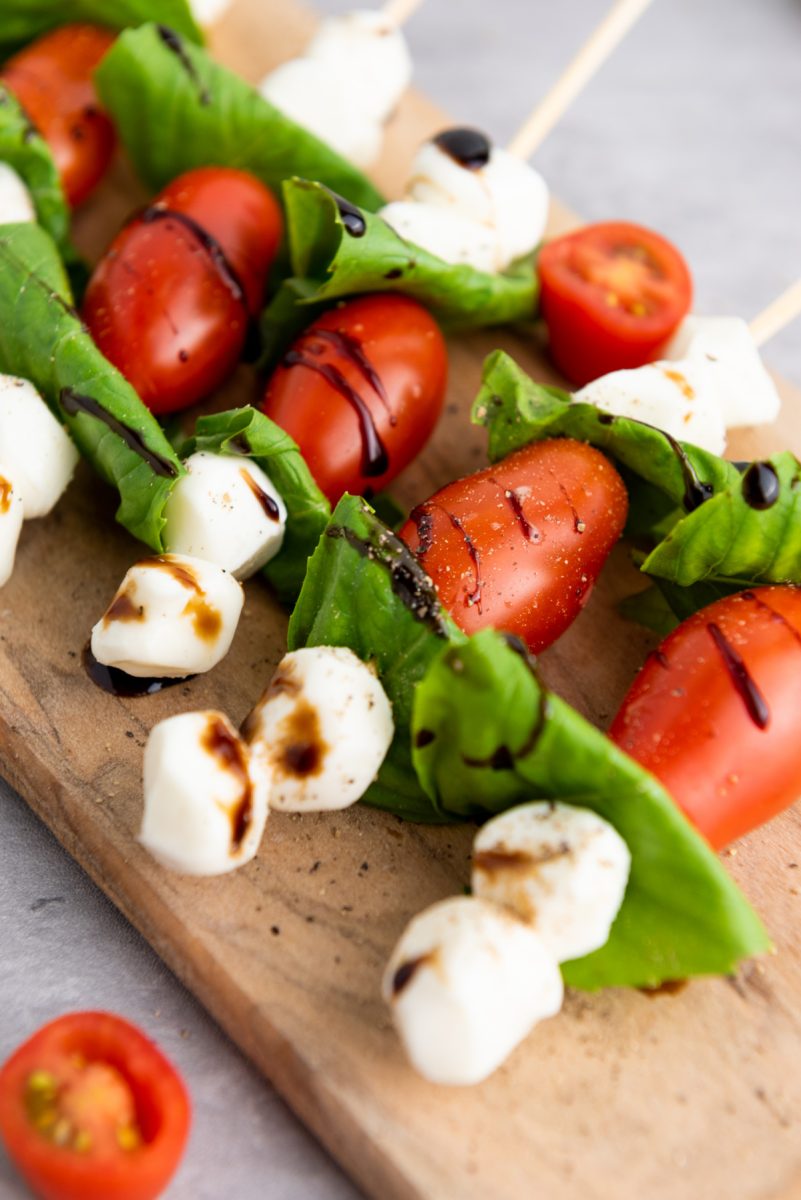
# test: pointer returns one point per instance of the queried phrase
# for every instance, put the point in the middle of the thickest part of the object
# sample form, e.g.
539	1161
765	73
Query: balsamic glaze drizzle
745	686
352	350
761	486
423	519
174	43
352	217
696	492
212	247
469	148
73	403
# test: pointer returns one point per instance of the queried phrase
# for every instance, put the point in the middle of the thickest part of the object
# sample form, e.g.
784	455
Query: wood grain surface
675	1097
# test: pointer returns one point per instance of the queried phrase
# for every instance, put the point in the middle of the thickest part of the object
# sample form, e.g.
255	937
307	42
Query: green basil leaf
365	590
23	20
42	339
176	109
246	431
488	735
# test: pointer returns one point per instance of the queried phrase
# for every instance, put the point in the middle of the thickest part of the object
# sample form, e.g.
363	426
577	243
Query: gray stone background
693	128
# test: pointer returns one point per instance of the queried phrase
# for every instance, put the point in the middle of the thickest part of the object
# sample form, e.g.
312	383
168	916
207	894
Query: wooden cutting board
693	1095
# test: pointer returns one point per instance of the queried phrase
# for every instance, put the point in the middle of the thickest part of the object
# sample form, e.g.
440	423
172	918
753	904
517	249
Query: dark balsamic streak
269	505
352	350
423	738
761	486
73	403
210	244
423	521
406	972
120	683
530	533
473	597
352	217
696	492
775	615
504	759
174	43
469	148
745	686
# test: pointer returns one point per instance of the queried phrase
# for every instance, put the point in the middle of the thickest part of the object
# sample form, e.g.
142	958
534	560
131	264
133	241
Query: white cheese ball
227	511
172	616
206	801
562	869
677	397
466	983
206	12
370	56
311	93
453	238
10	523
16	205
323	726
748	395
35	448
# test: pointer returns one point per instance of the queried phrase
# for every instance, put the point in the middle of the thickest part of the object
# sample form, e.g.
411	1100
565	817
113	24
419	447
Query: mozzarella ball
748	395
451	237
562	869
206	801
678	397
206	12
10	523
172	616
370	56
311	93
16	205
37	451
466	983
323	726
226	511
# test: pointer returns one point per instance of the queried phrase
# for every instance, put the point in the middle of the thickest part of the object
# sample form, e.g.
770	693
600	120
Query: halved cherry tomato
52	79
714	712
612	294
170	301
90	1109
361	391
520	544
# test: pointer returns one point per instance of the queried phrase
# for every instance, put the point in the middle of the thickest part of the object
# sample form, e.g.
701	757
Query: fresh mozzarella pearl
370	56
453	238
206	802
16	204
506	194
206	12
10	523
311	93
324	726
562	869
678	397
467	981
747	392
226	511
172	616
34	447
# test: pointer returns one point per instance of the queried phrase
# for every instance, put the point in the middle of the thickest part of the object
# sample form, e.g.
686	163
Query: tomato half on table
91	1109
519	545
52	79
361	391
713	714
170	302
612	295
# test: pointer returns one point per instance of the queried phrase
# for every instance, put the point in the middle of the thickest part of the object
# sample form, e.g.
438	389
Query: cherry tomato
612	294
361	391
714	712
90	1109
170	301
520	544
52	79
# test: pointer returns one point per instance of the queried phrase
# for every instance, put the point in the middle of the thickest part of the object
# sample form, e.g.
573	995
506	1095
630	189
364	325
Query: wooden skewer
399	11
615	25
776	316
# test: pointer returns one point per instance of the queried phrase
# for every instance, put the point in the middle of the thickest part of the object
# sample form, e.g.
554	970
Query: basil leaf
328	263
489	735
24	20
365	590
246	431
712	535
42	339
176	109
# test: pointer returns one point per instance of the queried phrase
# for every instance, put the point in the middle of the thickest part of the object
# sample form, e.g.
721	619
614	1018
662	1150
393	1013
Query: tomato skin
541	522
403	348
686	720
52	79
580	272
162	304
162	1105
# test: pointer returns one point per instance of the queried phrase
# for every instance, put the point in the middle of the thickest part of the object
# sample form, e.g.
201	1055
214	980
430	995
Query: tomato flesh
52	79
90	1108
612	294
713	714
361	392
170	301
519	545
